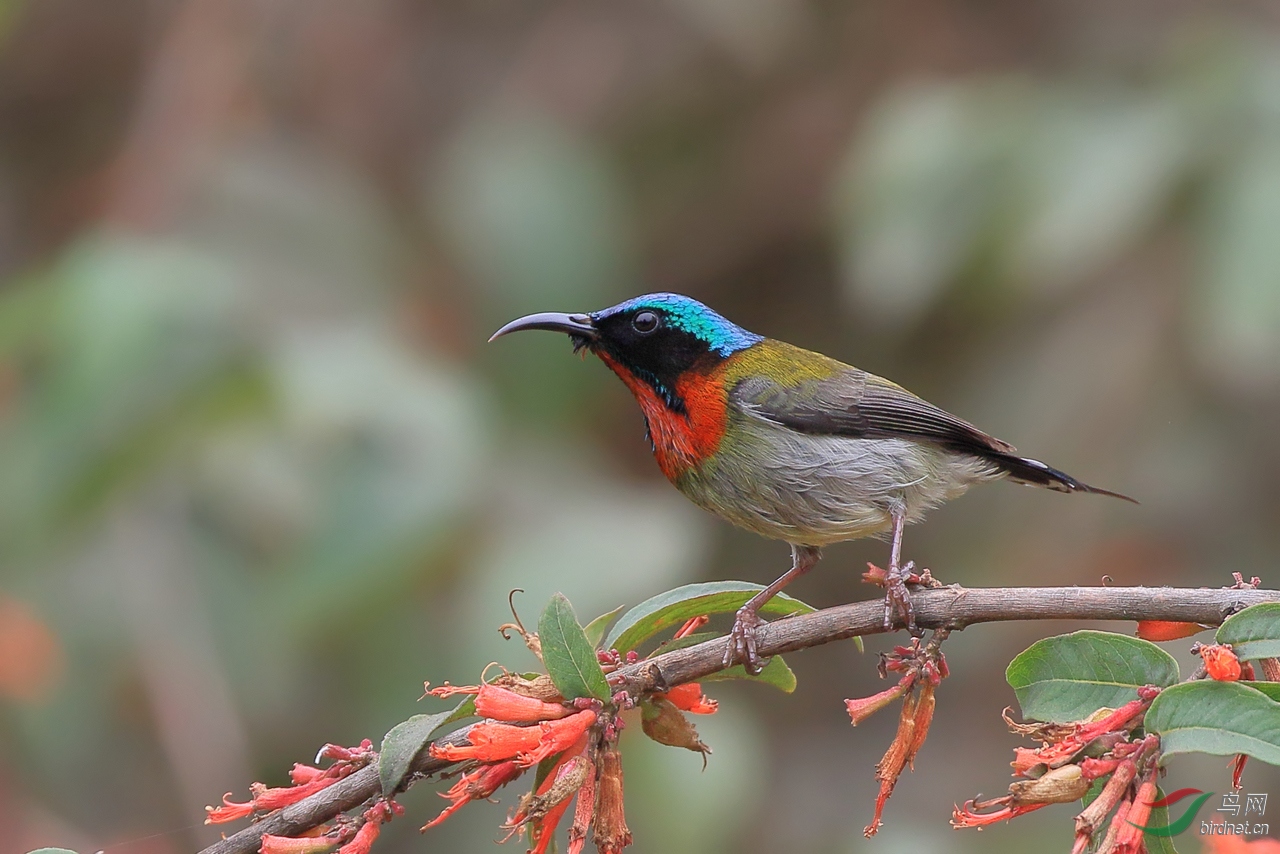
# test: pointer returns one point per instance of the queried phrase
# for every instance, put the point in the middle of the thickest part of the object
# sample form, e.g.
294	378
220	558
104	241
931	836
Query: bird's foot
742	641
897	600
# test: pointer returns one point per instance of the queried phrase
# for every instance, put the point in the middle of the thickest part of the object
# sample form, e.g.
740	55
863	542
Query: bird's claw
897	601
742	641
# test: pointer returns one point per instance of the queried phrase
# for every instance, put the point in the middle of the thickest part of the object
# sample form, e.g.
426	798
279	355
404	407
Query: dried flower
666	724
612	833
913	726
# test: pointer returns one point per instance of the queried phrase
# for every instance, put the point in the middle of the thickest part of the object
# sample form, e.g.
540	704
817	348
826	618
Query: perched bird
786	442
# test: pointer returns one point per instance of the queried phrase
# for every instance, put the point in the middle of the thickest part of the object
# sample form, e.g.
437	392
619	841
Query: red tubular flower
689	698
368	832
544	830
305	773
1129	837
1237	769
1220	662
229	811
557	736
692	625
970	815
504	705
490	742
476	785
863	708
290	845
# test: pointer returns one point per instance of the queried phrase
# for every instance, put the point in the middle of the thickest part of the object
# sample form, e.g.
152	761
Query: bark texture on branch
954	607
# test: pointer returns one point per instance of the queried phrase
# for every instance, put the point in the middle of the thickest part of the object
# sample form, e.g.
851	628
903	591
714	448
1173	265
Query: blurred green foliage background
261	476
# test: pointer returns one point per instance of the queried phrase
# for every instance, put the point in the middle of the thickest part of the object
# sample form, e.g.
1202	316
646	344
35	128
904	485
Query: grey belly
816	490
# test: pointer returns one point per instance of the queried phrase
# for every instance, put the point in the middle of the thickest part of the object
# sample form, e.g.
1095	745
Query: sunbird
786	442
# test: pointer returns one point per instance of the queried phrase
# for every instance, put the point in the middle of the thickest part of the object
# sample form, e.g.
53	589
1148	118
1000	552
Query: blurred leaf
1069	677
1237	309
674	607
1097	171
1253	632
595	629
52	851
569	657
1222	718
921	189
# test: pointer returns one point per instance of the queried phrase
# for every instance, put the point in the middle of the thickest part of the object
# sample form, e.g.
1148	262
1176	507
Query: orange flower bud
689	697
666	724
490	742
692	625
1220	662
290	845
612	834
505	705
1167	630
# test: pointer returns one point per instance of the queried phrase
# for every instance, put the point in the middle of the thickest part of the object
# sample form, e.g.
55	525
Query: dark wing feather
859	405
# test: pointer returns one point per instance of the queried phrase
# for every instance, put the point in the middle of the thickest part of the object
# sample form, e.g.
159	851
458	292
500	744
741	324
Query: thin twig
946	607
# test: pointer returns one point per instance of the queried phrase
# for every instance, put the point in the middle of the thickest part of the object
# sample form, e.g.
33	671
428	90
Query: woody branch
948	607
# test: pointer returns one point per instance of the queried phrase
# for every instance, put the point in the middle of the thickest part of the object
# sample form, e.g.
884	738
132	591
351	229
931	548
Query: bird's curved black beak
578	326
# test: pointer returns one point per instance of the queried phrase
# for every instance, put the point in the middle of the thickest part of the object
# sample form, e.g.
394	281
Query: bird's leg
897	600
742	637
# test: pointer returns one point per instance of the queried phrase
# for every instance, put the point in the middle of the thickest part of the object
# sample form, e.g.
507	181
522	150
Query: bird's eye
645	322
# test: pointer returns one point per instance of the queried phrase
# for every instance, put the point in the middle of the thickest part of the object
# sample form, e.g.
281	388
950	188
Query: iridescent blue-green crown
687	314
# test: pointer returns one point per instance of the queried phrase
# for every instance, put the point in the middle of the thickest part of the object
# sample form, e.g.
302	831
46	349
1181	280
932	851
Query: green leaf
676	606
596	628
1069	677
402	745
569	657
1222	718
52	851
406	740
1271	689
1254	632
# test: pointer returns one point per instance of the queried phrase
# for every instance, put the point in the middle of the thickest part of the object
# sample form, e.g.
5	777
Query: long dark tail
1025	470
